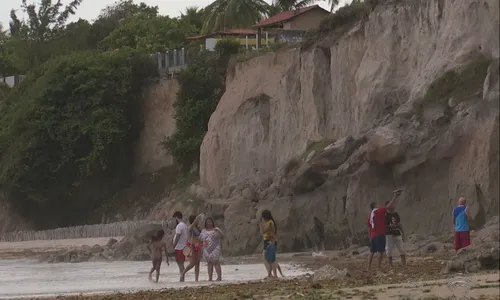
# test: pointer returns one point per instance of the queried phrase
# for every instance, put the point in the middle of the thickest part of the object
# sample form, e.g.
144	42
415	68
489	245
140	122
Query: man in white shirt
180	240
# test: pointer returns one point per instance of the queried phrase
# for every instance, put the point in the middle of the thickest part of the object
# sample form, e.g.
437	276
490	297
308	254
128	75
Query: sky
89	9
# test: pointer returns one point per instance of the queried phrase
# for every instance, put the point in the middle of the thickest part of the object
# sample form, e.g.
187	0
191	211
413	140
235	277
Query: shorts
462	239
270	253
179	256
394	241
377	244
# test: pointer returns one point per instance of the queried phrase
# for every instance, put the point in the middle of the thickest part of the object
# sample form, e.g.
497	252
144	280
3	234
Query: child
155	247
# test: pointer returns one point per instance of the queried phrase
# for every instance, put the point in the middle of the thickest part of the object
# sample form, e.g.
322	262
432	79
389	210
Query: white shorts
394	241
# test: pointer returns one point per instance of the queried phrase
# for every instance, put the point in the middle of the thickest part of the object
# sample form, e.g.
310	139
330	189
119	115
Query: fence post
183	61
175	58
158	60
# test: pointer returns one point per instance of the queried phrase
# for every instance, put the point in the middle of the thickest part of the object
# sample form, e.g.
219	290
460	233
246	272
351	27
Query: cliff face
159	123
410	99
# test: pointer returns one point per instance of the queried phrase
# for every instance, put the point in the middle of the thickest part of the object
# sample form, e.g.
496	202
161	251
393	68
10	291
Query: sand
423	279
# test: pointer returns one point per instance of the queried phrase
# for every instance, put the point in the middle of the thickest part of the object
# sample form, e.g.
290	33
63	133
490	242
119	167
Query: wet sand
30	249
21	279
423	279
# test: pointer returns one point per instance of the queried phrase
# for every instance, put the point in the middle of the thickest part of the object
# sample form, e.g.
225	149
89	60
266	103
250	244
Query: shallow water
31	279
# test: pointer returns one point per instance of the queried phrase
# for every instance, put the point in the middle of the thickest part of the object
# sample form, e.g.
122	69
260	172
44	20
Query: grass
461	84
341	21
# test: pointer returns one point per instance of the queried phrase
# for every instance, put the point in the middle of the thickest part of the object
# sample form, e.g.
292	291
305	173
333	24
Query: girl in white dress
211	238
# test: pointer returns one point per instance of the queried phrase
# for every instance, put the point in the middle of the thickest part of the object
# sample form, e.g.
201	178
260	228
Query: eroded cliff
407	97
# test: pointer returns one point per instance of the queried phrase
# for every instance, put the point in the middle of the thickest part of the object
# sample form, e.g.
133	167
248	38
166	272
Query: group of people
386	231
194	243
190	242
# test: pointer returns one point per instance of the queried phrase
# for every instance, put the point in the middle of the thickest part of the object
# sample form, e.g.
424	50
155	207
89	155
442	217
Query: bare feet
219	279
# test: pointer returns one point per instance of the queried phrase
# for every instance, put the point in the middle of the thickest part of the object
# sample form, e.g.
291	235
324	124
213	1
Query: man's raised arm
392	203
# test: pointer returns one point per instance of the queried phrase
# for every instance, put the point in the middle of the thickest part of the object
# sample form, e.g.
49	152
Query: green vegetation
201	87
73	119
462	83
67	130
148	35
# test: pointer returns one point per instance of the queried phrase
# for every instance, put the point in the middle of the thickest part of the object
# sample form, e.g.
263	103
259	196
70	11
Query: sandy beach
126	280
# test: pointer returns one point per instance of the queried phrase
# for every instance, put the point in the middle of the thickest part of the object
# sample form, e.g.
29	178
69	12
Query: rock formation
406	98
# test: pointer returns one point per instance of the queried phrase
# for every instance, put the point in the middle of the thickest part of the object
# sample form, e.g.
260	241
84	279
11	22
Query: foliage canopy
73	118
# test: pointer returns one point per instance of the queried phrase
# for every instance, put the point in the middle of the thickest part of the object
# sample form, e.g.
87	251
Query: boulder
140	236
329	272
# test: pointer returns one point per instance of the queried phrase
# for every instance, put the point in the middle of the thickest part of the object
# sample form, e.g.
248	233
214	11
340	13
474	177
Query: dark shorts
377	244
179	256
462	239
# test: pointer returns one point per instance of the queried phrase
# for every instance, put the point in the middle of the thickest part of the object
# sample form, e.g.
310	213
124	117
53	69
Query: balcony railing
171	62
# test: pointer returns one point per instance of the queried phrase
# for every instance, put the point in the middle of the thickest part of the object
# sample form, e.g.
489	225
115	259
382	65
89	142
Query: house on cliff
246	37
290	26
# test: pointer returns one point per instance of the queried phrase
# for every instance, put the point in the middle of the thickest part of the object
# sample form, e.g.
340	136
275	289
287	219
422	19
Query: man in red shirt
377	228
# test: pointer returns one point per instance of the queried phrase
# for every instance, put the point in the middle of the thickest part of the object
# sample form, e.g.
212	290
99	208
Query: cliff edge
406	97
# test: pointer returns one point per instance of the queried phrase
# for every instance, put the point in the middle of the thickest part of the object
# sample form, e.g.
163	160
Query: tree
69	130
111	17
193	16
148	34
42	25
222	14
201	86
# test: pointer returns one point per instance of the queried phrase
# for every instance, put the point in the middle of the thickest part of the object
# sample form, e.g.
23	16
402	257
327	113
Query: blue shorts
270	252
377	244
266	243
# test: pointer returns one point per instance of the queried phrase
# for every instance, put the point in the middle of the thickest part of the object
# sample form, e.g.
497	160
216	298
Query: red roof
286	16
235	31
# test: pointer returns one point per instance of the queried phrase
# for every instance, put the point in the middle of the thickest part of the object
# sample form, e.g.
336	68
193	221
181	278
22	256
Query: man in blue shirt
461	218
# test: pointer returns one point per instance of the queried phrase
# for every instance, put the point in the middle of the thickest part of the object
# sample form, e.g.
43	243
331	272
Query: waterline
24	279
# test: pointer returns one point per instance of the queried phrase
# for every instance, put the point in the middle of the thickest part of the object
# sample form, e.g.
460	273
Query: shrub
201	87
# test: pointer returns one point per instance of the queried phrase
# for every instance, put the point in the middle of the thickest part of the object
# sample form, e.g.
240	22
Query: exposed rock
393	124
329	272
483	254
132	246
111	242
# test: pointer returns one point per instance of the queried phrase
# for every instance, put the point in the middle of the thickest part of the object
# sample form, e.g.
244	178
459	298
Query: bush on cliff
201	86
71	121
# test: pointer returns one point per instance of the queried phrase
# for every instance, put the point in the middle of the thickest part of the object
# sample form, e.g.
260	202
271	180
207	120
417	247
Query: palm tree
222	14
286	5
193	16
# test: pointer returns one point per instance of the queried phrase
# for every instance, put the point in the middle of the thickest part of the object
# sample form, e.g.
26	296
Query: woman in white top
211	238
